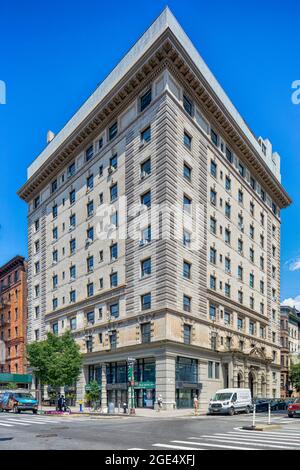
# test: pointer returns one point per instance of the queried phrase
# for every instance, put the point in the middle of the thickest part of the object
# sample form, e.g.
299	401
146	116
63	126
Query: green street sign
144	385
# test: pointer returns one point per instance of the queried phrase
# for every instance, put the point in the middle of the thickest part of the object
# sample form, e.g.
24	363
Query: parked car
262	405
1	397
294	408
18	401
231	401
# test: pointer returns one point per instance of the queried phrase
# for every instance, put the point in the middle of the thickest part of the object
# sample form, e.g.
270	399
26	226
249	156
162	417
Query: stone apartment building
13	315
194	298
290	345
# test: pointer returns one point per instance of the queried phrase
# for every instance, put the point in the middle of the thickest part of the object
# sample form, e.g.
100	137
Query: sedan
294	408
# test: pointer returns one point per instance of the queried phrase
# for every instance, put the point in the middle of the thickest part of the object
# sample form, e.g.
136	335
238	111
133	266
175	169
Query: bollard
119	407
269	413
80	407
253	416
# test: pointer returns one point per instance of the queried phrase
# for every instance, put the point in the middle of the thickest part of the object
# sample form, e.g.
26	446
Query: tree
12	386
56	361
294	376
92	394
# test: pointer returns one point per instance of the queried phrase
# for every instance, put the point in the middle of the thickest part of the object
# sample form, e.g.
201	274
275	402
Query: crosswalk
9	420
238	439
259	419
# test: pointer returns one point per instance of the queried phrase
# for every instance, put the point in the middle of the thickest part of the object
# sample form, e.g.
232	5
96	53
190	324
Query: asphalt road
29	432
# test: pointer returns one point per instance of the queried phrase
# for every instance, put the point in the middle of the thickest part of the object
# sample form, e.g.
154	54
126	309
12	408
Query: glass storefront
186	381
144	379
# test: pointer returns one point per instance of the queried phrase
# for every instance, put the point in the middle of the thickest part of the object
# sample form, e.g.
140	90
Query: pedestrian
159	402
196	404
60	402
125	407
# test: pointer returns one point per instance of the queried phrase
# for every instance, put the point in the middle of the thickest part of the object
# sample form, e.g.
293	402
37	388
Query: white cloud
292	302
294	265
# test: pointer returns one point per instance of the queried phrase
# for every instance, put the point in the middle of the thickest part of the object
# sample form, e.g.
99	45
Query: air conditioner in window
111	169
143	175
88	241
114	258
54	262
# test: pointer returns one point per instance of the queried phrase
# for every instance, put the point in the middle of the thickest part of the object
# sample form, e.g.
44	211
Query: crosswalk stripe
15	421
264	433
240	440
170	446
5	424
259	438
216	445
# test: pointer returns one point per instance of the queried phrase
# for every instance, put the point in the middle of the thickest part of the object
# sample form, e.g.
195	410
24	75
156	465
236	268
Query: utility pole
130	372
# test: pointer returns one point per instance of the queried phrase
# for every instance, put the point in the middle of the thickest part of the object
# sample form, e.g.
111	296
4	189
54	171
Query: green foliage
56	361
294	376
92	395
12	386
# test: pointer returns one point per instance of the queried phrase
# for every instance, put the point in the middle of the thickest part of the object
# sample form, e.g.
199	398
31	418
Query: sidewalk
139	412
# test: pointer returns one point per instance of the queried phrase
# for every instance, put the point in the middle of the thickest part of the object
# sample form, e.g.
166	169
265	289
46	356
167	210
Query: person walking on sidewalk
196	404
159	402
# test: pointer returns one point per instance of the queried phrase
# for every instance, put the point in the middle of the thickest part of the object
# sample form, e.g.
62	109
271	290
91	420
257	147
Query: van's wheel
248	410
231	411
34	412
15	409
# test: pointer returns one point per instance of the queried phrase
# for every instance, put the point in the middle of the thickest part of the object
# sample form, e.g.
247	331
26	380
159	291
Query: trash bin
111	408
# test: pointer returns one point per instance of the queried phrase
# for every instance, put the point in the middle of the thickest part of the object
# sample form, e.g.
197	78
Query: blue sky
54	54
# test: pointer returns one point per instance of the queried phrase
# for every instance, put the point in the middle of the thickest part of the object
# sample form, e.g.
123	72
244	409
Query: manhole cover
46	435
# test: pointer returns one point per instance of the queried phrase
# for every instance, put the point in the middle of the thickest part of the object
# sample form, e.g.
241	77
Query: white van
231	401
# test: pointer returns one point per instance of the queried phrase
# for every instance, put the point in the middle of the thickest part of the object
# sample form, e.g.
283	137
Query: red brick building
13	314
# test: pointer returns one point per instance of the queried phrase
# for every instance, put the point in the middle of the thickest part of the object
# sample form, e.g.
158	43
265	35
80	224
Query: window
251	255
53	186
114	310
227	318
214	137
55	328
186	238
101	283
146	199
54	281
90	182
37	335
100	143
55	256
146	332
240	273
146	301
241	169
239	323
213	341
213	197
113	339
146	267
89	153
228	210
252	183
212	282
73	324
90	264
227	265
262	332
274	208
113	162
114	219
213	225
101	170
90	289
213	255
90	208
36	225
114	280
187	270
146	135
251	328
36	202
213	169
187	334
113	131
54	211
188	105
101	199
90	317
187	202
146	168
37	267
229	155
187	172
114	192
186	303
72	221
212	312
72	296
252	208
72	246
114	252
227	183
240	196
145	100
73	272
187	140
241	222
36	311
262	194
72	196
251	280
71	169
251	231
227	236
37	290
240	296
90	233
54	303
262	263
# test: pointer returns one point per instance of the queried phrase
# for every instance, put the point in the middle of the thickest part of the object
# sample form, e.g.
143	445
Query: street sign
131	359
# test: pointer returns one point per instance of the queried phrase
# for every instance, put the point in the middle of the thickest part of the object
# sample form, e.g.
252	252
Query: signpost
130	372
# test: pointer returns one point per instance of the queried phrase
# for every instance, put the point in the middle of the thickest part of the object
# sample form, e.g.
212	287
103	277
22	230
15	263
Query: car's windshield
222	396
24	395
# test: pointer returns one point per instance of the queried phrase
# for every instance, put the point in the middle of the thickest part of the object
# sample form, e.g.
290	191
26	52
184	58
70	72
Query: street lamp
130	372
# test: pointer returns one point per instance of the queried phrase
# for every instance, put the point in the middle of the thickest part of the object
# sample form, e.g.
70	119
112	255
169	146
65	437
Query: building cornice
166	51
